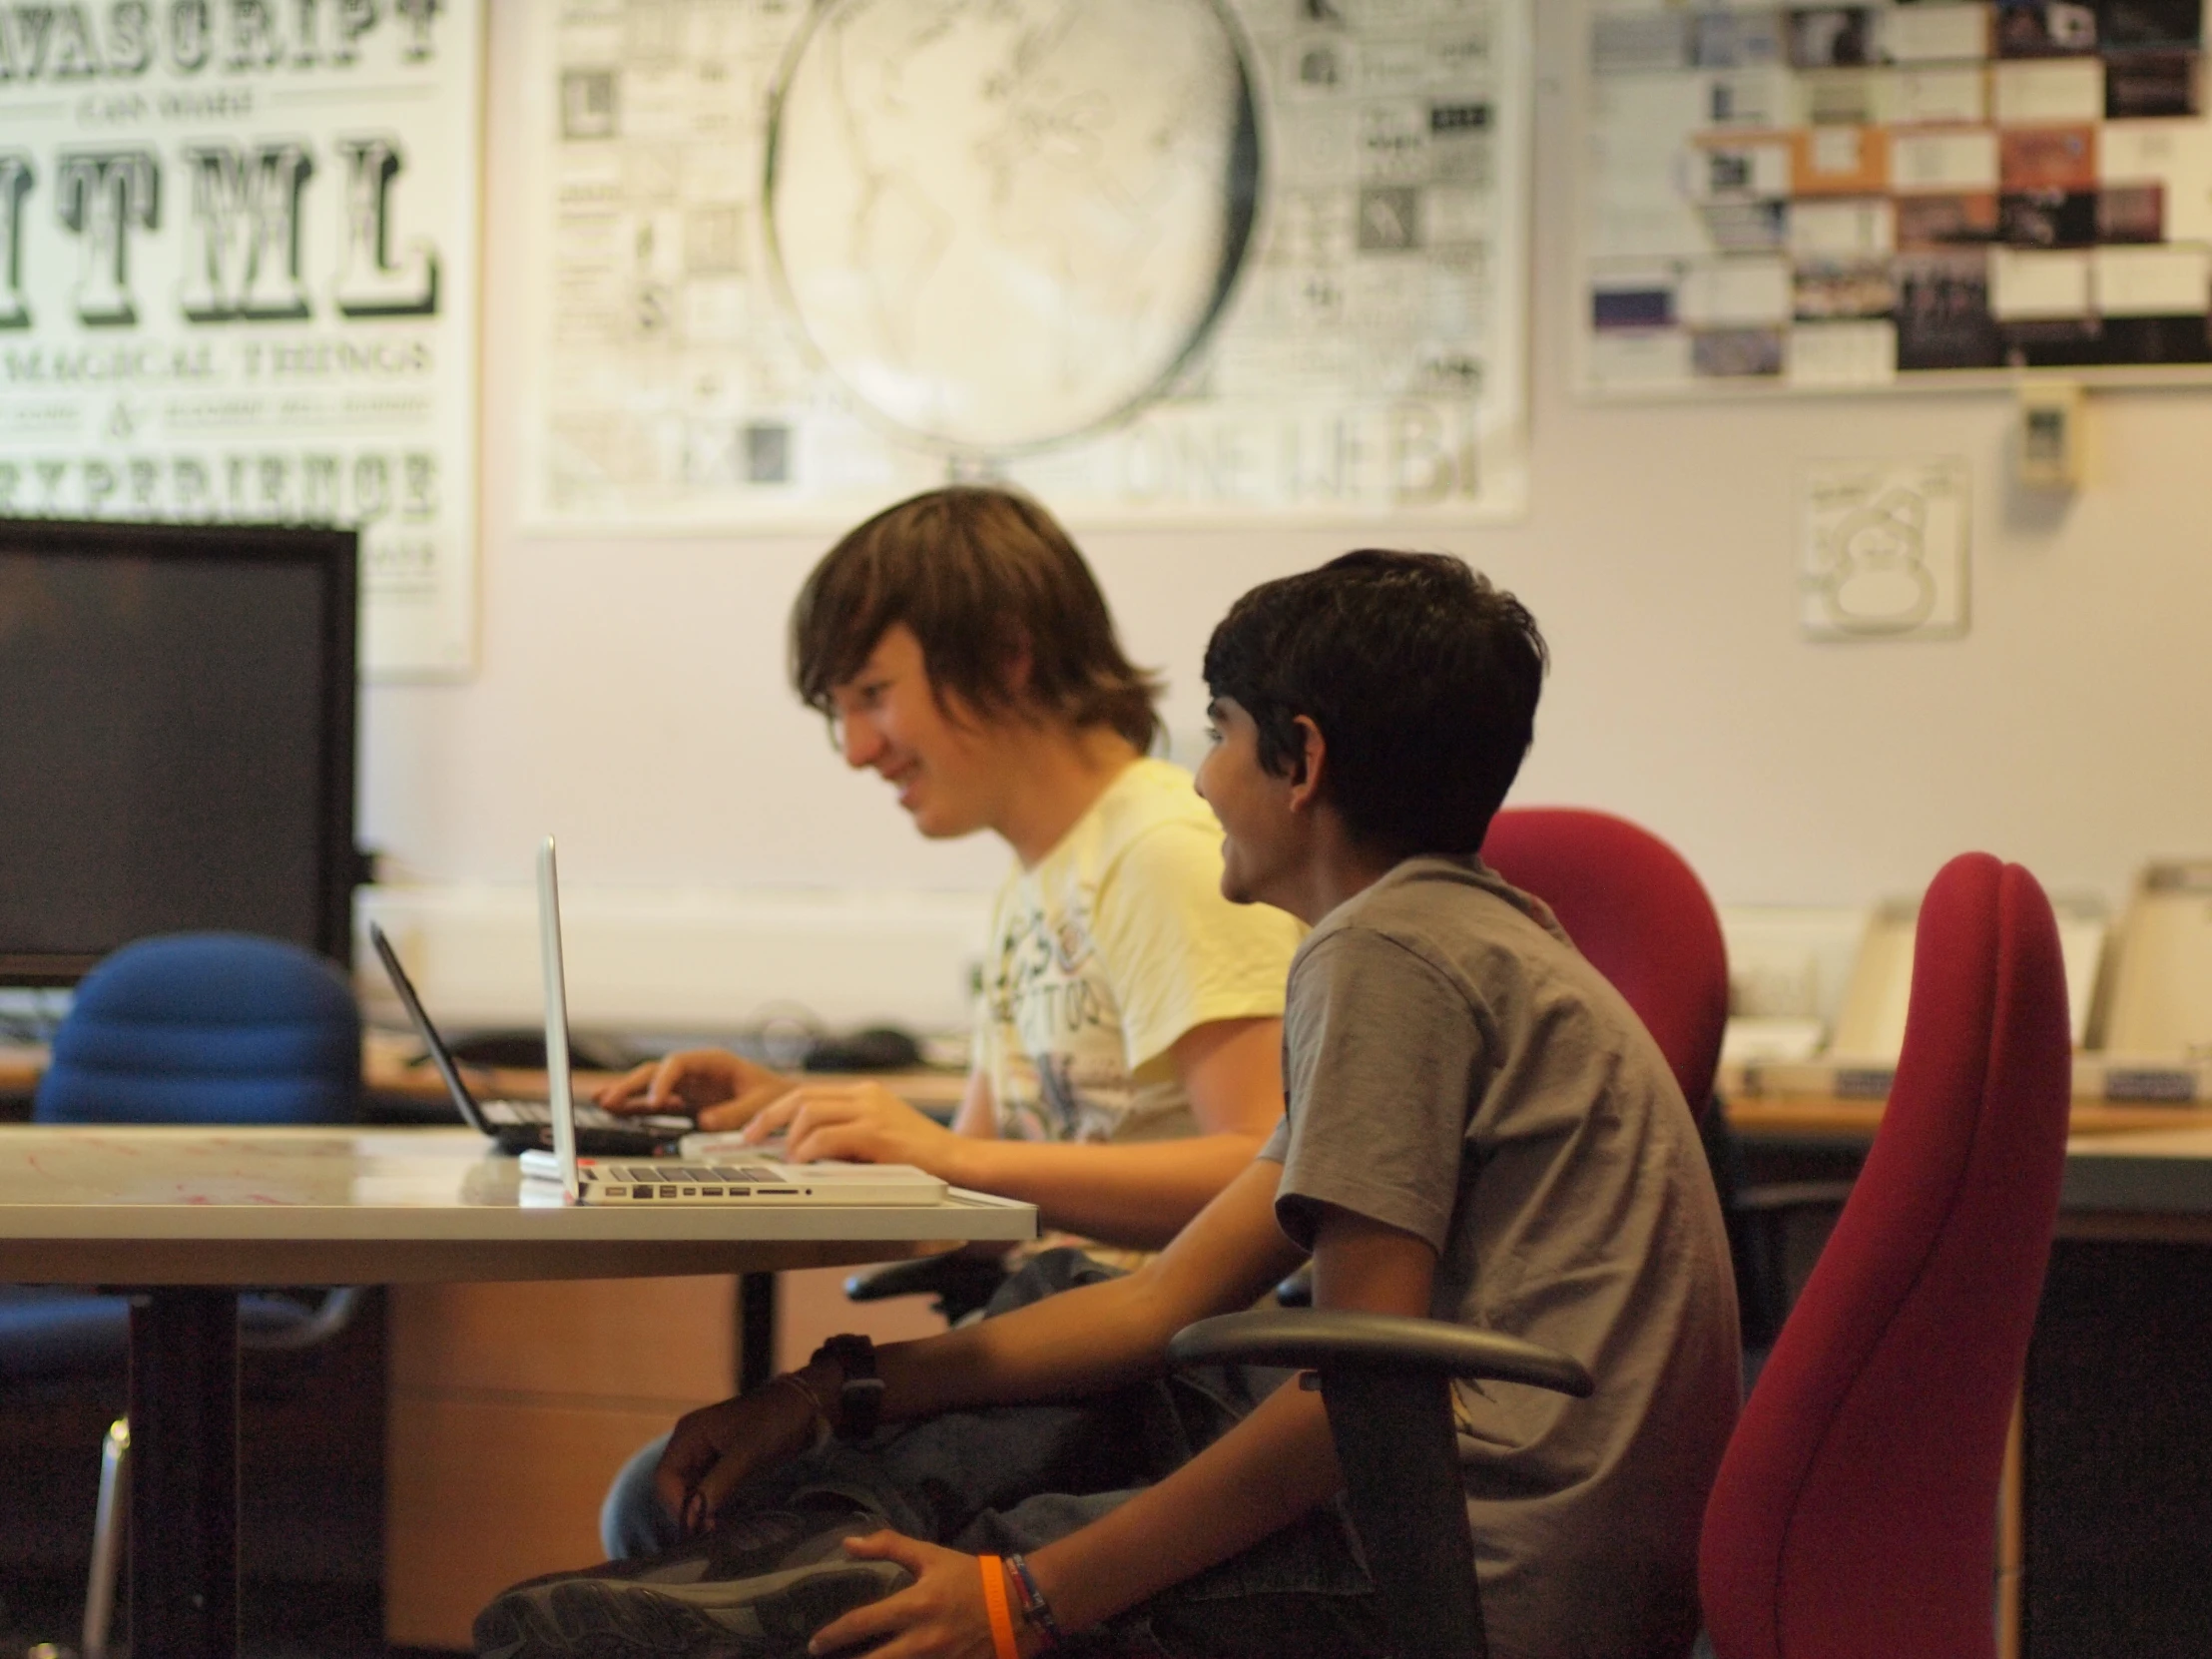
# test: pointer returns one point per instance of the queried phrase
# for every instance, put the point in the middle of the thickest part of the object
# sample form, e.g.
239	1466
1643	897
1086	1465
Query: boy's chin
941	827
1234	887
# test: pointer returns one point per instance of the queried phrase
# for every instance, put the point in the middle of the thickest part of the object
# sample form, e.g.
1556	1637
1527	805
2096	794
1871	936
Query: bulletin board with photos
1837	198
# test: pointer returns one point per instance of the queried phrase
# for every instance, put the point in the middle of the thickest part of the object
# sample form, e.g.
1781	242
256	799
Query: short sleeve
1177	954
1385	1061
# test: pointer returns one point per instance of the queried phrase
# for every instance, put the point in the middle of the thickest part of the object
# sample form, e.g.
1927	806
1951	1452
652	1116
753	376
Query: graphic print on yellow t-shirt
1113	947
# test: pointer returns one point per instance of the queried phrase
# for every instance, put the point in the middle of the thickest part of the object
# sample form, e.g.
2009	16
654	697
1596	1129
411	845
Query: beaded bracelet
1034	1608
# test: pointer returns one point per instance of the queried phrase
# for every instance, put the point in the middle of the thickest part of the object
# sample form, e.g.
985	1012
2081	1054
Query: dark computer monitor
176	737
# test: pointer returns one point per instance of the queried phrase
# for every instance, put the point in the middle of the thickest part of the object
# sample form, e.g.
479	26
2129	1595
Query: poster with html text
238	282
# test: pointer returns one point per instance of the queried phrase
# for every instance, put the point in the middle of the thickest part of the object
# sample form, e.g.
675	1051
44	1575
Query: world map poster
1155	259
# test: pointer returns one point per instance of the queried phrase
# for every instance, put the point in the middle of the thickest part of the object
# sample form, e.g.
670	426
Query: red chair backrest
1854	1513
1637	910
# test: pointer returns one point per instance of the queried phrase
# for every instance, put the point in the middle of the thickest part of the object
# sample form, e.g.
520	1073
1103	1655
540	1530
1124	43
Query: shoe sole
604	1618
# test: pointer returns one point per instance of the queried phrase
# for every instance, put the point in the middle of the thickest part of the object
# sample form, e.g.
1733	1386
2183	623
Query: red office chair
1854	1513
1641	916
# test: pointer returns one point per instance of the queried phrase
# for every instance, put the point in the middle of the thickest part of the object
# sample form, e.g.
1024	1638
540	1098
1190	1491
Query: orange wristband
994	1603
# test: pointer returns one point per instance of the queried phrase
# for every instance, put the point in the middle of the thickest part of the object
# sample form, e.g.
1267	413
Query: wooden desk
1786	1119
191	1215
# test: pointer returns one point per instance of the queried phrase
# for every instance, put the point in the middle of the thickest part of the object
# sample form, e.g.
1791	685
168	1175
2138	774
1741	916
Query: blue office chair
209	1028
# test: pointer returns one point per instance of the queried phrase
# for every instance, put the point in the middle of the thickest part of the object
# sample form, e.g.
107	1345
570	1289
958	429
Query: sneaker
756	1589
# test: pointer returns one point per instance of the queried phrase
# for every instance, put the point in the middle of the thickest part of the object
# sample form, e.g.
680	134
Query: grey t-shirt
1458	1070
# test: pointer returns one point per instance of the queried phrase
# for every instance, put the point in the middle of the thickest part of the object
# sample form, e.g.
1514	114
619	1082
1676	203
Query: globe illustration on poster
1004	224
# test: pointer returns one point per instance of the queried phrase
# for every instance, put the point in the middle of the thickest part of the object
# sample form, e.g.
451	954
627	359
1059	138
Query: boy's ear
1308	764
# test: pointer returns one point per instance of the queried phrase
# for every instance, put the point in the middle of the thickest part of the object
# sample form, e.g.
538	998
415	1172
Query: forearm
1137	1195
1258	1478
1082	1340
1100	1335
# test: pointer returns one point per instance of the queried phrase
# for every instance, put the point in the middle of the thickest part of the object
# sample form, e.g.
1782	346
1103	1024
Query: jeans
1009	1478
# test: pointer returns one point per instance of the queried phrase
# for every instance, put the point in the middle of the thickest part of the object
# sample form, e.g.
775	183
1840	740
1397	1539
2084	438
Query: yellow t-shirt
1106	953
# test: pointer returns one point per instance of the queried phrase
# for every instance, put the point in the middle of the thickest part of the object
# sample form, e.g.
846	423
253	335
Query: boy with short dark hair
1478	1130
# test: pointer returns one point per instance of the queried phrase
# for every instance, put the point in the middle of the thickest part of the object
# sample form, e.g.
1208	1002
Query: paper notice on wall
238	283
1883	550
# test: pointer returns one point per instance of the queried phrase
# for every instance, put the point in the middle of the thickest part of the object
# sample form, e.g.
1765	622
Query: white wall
632	697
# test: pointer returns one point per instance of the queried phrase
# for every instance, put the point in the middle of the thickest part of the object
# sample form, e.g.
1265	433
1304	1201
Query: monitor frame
335	554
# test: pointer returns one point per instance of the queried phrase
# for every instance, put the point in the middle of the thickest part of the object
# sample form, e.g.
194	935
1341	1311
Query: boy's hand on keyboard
862	1123
694	1079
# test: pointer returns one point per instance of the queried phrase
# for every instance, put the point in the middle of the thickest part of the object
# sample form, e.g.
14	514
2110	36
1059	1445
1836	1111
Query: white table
189	1217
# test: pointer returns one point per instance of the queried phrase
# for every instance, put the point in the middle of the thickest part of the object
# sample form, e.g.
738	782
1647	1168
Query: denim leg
1021	1475
932	1477
632	1521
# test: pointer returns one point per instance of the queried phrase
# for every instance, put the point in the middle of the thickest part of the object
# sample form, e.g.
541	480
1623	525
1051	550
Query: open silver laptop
524	1126
620	1180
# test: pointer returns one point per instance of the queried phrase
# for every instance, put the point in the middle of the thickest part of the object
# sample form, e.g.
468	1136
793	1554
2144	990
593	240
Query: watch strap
860	1393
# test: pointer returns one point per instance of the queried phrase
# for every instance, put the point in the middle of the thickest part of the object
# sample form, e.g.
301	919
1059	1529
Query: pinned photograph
2049	218
1614	310
1720	170
1747	98
1883	550
1736	40
2125	23
1746	226
2131	214
2151	86
1736	353
2045	28
1832	37
1843	98
1834	291
2144	341
1943	313
1967	220
1639	43
2047	158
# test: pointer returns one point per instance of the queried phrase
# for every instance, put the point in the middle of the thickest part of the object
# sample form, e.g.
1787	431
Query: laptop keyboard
537	1114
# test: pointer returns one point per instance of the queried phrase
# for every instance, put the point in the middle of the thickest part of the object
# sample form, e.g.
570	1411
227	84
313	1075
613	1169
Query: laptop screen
440	1056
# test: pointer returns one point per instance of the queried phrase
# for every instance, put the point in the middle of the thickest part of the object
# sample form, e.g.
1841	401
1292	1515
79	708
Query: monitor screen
176	737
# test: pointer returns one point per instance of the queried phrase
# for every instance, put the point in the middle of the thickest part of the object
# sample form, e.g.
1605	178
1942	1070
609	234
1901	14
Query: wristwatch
861	1393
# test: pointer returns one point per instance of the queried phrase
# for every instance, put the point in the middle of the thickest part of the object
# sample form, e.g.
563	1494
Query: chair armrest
312	1326
958	1281
1320	1339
